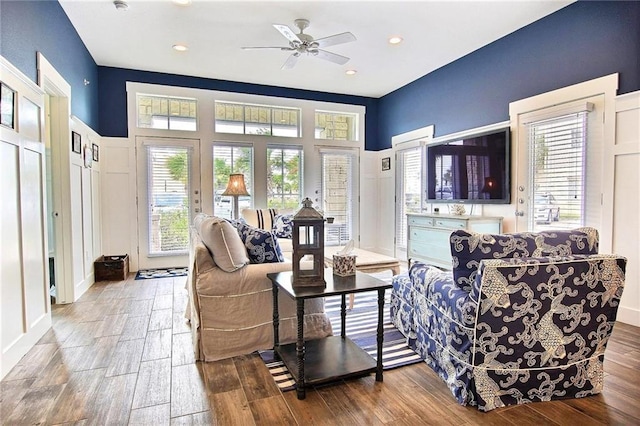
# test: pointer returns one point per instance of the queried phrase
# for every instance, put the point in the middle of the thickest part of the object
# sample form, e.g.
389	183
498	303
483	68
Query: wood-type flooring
123	355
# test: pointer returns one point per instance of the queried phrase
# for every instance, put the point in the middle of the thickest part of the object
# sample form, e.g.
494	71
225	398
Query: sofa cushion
283	225
261	245
469	248
222	240
260	218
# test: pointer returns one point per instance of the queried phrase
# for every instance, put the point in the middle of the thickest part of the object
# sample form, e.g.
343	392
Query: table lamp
235	188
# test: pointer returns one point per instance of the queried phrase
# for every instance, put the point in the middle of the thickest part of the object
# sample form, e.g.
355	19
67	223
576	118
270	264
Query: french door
562	145
168	199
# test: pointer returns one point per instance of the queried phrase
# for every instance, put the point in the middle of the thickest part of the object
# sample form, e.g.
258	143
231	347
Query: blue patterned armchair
523	317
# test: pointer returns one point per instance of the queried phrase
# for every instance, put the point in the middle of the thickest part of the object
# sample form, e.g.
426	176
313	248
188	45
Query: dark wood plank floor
122	355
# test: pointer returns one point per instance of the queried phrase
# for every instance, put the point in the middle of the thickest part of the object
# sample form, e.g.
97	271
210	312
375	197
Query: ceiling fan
305	44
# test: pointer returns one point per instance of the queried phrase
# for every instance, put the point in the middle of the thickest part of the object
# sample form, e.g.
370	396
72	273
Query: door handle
519	213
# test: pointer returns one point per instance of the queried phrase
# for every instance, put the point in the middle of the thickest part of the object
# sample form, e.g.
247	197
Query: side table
313	362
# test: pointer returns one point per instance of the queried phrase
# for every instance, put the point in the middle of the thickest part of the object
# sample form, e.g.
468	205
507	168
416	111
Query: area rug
146	274
362	323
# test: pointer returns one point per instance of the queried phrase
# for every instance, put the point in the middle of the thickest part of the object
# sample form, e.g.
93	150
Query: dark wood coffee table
313	362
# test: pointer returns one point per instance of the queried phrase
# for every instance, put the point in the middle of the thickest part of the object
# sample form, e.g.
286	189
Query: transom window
336	126
284	177
251	119
167	113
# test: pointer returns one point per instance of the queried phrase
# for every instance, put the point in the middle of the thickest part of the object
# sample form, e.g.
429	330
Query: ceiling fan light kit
302	43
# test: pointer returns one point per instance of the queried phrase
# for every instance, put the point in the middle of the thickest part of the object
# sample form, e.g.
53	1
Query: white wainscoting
24	292
626	199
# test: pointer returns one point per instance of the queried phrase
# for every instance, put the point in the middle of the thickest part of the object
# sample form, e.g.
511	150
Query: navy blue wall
113	97
585	40
28	27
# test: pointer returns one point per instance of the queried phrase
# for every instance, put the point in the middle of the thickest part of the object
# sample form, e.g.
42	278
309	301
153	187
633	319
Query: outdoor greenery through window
337	194
162	112
168	189
336	126
247	119
284	177
558	153
229	159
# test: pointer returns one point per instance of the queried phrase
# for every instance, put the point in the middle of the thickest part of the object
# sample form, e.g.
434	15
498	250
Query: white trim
50	79
8	66
413	138
628	101
470	132
556	111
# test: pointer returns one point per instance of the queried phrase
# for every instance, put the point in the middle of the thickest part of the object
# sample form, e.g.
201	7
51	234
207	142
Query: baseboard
83	286
628	316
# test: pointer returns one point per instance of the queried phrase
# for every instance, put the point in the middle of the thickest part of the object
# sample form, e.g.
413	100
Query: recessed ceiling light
180	47
182	2
395	40
350	72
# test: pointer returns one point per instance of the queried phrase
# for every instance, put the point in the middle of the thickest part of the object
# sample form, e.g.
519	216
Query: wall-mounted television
473	170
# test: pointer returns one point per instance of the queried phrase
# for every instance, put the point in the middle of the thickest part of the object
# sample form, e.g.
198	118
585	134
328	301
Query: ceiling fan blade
287	32
266	47
335	39
291	61
332	57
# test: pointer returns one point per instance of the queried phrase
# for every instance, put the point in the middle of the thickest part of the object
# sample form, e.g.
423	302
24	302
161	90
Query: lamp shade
236	185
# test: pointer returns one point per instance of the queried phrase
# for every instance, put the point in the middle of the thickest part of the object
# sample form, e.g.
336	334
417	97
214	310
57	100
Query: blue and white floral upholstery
525	329
262	246
469	248
283	226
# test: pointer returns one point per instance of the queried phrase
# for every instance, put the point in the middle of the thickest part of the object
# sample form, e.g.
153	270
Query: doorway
168	199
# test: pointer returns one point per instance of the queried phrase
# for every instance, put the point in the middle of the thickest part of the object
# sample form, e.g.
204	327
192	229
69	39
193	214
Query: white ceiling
435	33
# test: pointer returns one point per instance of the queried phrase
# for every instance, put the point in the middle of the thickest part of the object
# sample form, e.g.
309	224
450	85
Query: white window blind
284	176
557	174
227	159
409	191
168	194
338	195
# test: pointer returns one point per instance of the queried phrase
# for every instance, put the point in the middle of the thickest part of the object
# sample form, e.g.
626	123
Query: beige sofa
230	300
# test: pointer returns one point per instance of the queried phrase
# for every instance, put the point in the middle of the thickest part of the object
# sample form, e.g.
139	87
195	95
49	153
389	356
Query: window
168	194
409	192
336	126
284	177
229	159
161	112
557	171
257	120
338	175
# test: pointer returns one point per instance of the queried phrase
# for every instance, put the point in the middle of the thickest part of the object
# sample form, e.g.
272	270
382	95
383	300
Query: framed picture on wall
76	142
96	152
7	106
386	163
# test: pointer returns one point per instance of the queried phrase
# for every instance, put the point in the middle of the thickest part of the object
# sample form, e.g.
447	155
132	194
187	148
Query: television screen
475	169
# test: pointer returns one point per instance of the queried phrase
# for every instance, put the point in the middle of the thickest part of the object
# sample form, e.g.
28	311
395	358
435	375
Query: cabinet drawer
420	221
431	235
450	223
436	253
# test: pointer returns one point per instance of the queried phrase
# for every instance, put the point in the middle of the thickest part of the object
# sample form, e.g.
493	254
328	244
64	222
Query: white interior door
168	199
560	166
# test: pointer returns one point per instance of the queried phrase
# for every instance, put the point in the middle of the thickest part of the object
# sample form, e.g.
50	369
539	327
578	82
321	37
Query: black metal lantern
308	247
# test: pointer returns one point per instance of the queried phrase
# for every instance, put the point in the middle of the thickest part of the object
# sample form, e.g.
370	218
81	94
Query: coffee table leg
300	351
276	321
380	337
343	317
